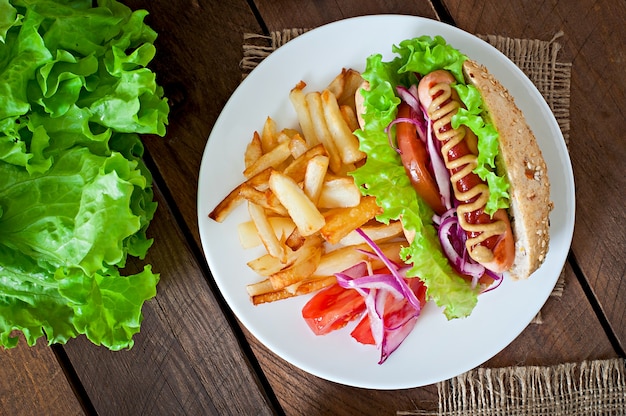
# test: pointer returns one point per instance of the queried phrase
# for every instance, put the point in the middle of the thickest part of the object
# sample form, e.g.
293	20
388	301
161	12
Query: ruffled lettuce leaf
68	231
487	145
76	198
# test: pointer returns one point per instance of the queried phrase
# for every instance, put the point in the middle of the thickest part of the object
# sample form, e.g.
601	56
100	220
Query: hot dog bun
521	160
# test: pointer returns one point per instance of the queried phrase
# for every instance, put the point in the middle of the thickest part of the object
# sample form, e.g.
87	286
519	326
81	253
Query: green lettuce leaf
76	198
487	146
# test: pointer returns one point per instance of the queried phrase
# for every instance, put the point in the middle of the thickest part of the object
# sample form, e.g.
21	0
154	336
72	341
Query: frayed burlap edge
538	60
257	47
574	389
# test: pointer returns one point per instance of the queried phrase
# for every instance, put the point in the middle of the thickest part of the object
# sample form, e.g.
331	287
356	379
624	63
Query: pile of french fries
304	207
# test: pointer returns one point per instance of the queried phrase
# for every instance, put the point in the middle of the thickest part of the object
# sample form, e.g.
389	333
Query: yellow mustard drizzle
441	113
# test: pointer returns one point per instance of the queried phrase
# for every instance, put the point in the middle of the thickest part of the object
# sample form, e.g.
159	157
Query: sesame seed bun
521	160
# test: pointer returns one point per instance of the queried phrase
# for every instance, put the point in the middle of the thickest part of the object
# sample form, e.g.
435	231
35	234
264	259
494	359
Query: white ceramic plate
437	349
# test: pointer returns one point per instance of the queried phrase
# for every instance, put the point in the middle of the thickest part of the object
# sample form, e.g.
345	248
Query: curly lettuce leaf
425	54
62	58
76	198
470	116
8	18
73	227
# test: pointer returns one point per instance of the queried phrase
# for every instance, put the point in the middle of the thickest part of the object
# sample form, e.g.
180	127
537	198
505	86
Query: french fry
266	233
295	239
262	293
339	192
291	133
298	146
260	180
352	82
345	257
376	232
298	101
265	199
314	177
349	115
341	221
297	168
235	197
227	205
316	109
346	142
267	264
269	135
254	150
302	268
302	211
282	137
345	169
248	236
340	259
271	159
311	284
260	288
344	86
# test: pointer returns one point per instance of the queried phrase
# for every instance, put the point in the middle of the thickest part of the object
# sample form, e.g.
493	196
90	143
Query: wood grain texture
33	383
186	359
197	63
593	34
284	14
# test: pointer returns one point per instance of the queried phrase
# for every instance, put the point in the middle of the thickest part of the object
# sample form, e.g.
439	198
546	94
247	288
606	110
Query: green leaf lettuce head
383	174
75	196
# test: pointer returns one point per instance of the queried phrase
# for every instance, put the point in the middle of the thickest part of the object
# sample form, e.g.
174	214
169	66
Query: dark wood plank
197	63
593	33
283	14
186	359
33	383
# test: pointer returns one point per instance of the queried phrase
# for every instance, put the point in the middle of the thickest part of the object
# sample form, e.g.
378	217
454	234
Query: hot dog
496	189
489	238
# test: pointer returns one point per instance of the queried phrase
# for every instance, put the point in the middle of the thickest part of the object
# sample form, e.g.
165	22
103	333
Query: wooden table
192	357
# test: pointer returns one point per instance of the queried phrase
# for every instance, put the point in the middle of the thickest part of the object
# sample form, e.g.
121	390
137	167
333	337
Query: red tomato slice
415	160
363	332
332	308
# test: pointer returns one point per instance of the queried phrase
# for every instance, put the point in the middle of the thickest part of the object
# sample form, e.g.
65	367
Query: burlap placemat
587	388
537	59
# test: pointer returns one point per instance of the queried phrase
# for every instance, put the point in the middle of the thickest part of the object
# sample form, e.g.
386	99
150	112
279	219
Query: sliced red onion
390	137
406	291
442	176
376	288
373	281
396	335
409	96
497	278
448	236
